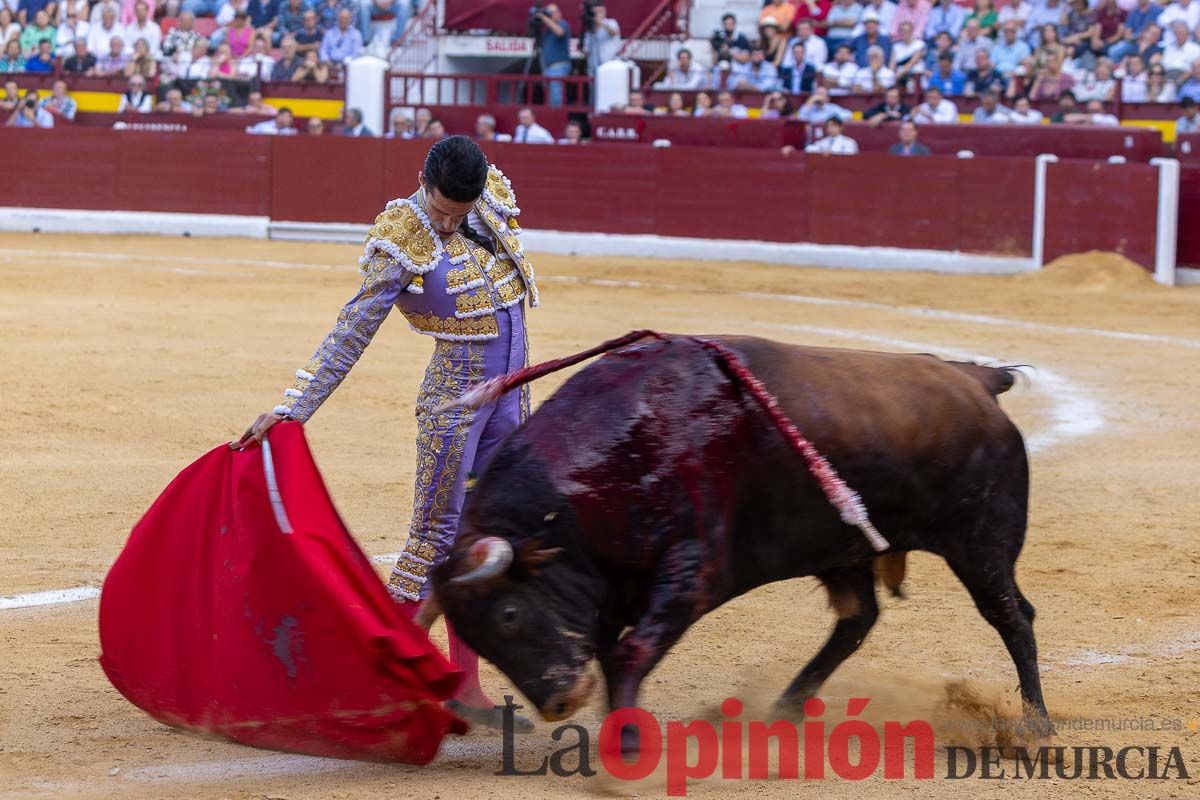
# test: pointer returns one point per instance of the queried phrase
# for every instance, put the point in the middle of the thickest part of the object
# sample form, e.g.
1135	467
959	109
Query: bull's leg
994	589
852	596
677	599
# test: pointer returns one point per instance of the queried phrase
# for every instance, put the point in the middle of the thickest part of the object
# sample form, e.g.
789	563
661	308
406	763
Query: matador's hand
258	430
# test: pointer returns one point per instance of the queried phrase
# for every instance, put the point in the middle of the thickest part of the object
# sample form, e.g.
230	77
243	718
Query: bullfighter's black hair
457	168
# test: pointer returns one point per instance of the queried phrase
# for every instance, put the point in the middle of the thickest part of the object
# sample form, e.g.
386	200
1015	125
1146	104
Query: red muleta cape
241	607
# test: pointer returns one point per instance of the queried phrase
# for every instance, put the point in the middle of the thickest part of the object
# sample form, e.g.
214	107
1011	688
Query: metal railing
417	49
651	40
487	90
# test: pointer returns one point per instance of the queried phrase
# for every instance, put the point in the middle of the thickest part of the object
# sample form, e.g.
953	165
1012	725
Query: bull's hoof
491	719
789	707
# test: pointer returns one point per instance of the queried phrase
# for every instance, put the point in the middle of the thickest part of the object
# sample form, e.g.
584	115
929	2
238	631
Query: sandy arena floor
126	358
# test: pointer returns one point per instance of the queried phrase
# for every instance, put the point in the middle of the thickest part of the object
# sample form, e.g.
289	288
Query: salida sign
853	750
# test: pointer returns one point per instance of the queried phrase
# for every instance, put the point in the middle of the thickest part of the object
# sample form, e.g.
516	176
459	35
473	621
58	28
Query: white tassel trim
293	393
414	288
281	411
491	199
472	284
305	376
389	247
482	312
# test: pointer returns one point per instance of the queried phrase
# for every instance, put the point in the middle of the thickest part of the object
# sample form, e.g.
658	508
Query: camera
535	24
31	101
588	16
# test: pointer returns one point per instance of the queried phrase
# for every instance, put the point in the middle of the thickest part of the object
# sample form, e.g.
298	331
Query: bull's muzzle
565	702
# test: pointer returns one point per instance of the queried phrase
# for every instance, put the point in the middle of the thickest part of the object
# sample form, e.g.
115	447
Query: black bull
652	488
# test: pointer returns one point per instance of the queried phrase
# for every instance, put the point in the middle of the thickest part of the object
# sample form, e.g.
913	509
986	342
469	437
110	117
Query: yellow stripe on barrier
109	102
1164	126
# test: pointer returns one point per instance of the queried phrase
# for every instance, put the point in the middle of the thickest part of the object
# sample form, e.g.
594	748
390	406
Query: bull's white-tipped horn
497	555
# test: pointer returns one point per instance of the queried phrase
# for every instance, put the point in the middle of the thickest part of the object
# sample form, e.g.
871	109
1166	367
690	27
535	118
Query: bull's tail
843	498
996	380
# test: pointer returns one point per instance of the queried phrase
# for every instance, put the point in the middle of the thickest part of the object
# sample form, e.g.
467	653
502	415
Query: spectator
1188	89
174	103
703	105
312	70
81	61
834	142
774	44
288	61
603	41
990	111
1078	31
291	19
908	52
436	130
841	21
71	28
352	124
13	61
1010	52
1158	88
222	66
28	114
811	13
840	74
136	99
1133	84
1066	107
556	51
817	110
972	39
759	75
675	106
915	13
908	144
943	45
1149	44
284	124
328	10
310	36
816	52
875	77
1141	16
201	63
101	34
638	104
141	62
257	65
775	106
238	35
726	107
263	16
9	27
890	110
984	77
572	134
201	8
181	38
781	11
948	81
485	128
935	108
985	15
685	74
1109	23
802	75
1099	85
528	131
1050	47
1023	113
144	27
1016	12
885	10
341	43
316	126
1052	82
399	125
870	37
1190	121
210	104
1178	56
39	30
255	105
727	40
60	103
946	17
44	60
98	8
11	98
1093	115
423	117
1185	11
1048	12
113	62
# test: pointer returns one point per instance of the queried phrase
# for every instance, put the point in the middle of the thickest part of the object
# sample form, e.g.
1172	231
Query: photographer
727	39
554	39
602	36
27	114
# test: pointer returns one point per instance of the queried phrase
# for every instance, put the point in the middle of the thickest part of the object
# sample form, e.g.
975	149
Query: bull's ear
531	555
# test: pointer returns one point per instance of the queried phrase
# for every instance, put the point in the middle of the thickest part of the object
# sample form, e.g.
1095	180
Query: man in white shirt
256	63
1023	113
684	75
603	41
100	35
885	12
143	27
972	39
137	98
935	108
875	77
1182	51
200	64
72	28
841	73
816	51
834	142
1133	85
282	125
528	131
990	112
1185	11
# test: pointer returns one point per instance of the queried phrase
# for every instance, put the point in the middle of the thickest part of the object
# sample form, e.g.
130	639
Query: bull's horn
494	557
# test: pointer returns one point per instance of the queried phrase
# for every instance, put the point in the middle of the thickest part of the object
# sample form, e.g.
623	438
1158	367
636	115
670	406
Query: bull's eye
509	618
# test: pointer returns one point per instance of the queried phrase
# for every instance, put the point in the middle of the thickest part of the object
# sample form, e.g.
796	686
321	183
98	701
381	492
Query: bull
653	487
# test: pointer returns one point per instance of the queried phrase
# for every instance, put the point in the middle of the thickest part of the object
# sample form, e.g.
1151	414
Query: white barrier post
1167	228
365	78
1039	208
611	87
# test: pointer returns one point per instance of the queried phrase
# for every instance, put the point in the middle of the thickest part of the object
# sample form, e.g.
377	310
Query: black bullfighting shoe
490	718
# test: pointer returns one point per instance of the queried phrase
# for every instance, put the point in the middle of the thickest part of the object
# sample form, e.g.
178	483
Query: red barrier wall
1097	206
1064	141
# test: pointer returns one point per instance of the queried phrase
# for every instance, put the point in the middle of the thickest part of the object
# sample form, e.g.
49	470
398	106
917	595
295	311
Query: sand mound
1093	271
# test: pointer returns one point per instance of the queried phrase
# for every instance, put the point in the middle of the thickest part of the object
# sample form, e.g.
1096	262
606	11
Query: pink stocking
467	660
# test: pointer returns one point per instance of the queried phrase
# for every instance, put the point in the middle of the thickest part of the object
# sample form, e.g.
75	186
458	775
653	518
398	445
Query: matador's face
445	215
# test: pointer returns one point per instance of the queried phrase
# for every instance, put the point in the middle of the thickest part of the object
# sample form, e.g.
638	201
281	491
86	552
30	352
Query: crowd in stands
1010	55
